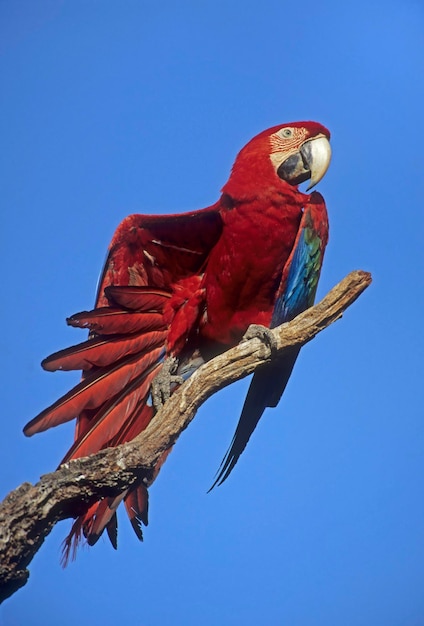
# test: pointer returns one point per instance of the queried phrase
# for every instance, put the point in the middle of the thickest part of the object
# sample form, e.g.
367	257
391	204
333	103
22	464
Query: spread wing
147	257
296	293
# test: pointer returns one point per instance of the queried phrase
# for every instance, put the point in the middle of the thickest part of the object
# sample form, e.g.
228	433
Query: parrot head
283	155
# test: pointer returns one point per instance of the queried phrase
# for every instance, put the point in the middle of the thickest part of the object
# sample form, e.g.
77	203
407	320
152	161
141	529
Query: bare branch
28	513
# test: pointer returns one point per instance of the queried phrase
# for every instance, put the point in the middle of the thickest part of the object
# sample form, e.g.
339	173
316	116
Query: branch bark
28	513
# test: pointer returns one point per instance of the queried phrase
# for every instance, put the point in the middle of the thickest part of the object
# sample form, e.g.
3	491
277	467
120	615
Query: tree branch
28	513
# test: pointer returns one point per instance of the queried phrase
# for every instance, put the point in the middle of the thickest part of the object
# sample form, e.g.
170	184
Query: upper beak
310	163
317	156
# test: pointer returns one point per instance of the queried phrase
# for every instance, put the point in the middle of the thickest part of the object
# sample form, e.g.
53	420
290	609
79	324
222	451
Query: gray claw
264	334
162	384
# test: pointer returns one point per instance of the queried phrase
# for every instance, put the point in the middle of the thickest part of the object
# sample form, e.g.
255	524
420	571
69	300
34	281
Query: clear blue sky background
114	107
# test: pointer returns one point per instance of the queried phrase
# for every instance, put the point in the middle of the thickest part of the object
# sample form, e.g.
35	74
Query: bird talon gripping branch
165	381
264	334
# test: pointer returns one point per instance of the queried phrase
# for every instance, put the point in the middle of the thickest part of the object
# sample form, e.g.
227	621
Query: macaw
177	290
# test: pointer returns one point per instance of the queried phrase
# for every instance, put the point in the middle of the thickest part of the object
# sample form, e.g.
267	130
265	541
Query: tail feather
112	531
104	517
267	387
78	531
137	505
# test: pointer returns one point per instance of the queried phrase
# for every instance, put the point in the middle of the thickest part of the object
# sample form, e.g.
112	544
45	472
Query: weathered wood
28	513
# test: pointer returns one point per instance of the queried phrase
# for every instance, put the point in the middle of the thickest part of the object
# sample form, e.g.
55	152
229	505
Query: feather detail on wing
94	390
141	291
110	321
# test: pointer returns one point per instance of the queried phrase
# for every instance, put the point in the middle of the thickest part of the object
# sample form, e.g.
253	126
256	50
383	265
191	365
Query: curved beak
310	163
317	154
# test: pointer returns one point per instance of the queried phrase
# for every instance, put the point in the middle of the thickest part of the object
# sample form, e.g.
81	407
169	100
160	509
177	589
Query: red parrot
177	290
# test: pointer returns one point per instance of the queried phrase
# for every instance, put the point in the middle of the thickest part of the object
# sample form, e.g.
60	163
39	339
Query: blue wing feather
302	279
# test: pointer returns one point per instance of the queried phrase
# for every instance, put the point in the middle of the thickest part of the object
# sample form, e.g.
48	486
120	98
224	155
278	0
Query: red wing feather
137	298
109	321
92	391
135	425
102	351
112	417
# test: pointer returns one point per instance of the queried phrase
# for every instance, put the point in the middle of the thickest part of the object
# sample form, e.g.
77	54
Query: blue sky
110	108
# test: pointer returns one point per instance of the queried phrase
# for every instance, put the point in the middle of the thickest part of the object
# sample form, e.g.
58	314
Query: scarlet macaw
178	289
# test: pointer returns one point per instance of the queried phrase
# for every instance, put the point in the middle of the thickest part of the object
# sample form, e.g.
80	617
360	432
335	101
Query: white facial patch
283	146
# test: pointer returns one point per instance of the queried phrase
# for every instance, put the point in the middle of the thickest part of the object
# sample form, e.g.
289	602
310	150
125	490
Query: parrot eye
286	133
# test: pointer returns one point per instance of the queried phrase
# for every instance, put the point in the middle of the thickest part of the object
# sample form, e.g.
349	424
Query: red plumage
185	286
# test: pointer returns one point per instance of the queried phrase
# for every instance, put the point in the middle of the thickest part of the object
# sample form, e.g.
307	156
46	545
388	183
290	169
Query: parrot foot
264	334
162	384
